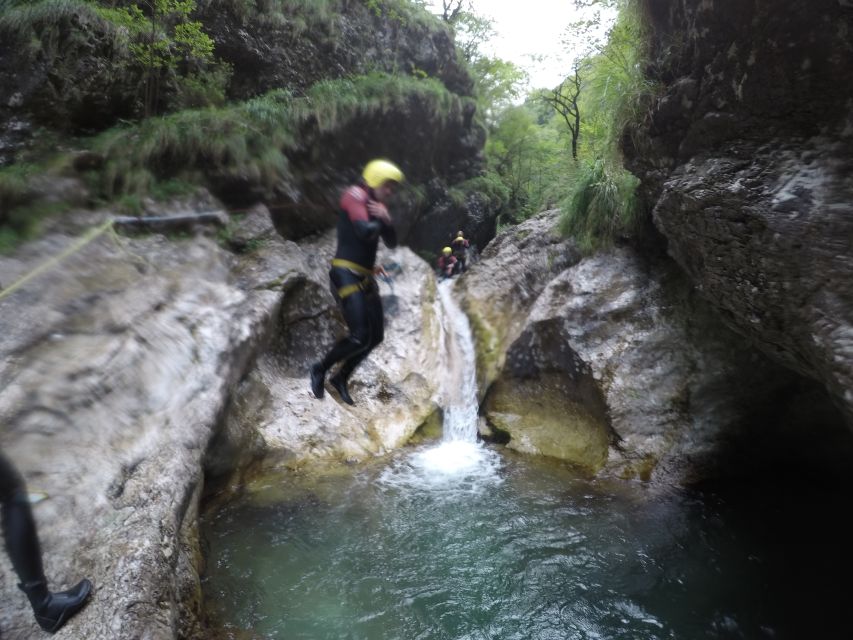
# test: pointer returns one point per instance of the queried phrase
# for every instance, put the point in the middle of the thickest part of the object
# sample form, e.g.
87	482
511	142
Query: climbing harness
352	266
366	284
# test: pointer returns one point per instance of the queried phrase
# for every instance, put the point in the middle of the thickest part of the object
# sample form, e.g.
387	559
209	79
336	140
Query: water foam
459	463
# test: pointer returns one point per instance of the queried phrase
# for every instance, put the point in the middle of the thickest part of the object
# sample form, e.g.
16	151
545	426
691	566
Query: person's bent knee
360	339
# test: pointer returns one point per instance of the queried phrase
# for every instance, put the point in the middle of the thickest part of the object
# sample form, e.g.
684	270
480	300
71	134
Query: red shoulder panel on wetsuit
354	202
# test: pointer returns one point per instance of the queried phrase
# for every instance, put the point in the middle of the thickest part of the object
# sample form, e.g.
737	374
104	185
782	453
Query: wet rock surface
498	291
123	372
616	350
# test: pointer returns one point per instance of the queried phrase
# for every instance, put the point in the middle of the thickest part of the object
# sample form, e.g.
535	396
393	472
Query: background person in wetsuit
363	219
52	610
460	251
446	263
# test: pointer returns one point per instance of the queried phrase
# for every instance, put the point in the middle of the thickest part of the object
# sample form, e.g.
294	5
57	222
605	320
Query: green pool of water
425	546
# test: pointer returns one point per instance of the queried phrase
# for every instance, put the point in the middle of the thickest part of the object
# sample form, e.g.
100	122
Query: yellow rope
74	248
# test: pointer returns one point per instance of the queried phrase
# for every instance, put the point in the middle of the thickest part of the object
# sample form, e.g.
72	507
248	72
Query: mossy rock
542	419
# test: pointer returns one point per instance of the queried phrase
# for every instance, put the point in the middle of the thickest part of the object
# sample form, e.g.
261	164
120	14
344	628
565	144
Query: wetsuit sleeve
354	204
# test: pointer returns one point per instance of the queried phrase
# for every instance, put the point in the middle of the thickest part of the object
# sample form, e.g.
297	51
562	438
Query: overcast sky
529	28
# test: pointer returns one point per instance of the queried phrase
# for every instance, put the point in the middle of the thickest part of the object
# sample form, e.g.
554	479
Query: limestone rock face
498	291
122	379
304	49
115	369
747	157
64	72
618	367
392	389
548	402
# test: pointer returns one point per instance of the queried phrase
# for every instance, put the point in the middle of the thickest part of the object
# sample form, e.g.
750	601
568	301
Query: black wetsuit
358	241
19	529
51	610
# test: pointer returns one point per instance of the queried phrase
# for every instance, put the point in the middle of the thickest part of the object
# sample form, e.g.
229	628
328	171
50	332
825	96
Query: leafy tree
472	31
498	83
601	202
163	38
527	157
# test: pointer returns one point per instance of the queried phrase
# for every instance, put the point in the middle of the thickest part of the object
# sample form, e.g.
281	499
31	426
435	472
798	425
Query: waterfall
459	464
458	396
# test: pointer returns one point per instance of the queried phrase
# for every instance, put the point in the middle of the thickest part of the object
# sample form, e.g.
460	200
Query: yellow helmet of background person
447	251
378	172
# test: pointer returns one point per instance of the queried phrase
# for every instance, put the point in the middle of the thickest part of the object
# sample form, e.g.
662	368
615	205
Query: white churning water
459	463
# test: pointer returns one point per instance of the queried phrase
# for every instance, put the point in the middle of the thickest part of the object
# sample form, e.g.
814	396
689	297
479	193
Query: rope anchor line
151	223
88	237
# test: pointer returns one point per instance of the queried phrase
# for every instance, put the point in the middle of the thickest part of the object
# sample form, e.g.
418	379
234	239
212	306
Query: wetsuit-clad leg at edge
52	610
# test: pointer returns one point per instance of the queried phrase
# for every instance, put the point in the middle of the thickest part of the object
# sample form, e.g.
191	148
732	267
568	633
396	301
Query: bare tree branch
451	9
564	100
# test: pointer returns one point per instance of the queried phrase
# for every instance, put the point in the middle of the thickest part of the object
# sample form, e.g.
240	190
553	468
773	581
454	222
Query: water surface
461	542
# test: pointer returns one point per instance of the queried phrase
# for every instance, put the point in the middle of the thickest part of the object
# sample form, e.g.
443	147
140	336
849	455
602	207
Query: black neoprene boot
339	382
52	610
318	376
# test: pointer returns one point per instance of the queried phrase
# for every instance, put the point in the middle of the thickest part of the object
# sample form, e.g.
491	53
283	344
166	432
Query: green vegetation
167	44
249	140
196	144
561	146
20	212
15	223
154	44
21	16
489	186
165	156
602	204
187	134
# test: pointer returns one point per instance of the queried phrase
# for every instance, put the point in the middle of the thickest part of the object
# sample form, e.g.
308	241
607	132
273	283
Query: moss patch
542	420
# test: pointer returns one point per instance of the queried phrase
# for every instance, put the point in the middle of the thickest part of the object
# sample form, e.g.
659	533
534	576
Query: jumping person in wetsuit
363	219
52	610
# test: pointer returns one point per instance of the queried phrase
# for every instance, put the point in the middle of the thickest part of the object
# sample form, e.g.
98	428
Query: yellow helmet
378	172
447	251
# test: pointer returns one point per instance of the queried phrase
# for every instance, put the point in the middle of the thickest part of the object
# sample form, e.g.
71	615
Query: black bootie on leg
318	376
52	610
339	382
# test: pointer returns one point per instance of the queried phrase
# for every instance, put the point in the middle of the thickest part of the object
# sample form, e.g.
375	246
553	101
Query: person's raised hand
379	211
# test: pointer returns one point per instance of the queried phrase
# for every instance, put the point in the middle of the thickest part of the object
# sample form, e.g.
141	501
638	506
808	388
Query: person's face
384	191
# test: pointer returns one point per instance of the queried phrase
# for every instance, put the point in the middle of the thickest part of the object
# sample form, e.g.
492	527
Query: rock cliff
146	367
66	70
613	363
746	158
